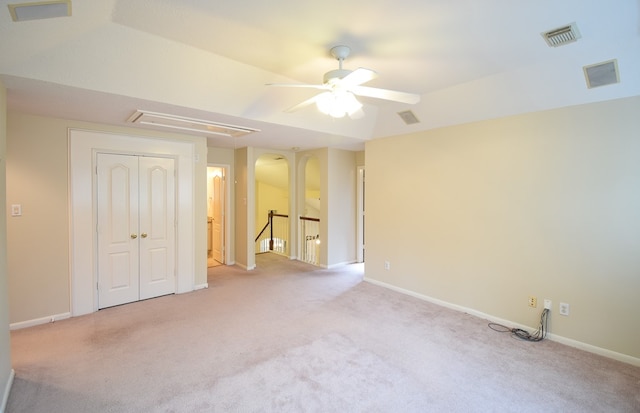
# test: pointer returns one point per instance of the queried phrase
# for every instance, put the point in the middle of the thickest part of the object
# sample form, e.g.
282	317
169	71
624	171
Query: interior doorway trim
361	220
83	146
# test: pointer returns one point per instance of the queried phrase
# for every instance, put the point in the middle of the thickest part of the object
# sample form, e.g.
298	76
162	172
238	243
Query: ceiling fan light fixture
341	87
337	104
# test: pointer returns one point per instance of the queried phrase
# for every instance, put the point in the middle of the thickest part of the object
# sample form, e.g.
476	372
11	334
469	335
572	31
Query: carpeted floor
289	337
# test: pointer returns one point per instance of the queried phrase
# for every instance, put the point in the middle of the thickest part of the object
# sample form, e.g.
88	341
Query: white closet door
157	227
136	228
117	198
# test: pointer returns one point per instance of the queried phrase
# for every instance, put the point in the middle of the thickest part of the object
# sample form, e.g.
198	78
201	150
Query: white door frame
83	146
360	255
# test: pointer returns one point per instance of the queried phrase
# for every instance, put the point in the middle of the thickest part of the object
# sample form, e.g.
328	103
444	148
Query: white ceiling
470	60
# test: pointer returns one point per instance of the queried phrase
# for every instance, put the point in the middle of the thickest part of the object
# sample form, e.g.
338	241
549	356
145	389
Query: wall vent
190	126
602	74
562	35
408	117
40	10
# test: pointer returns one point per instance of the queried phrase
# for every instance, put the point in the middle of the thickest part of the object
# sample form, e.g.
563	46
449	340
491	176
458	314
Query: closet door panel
157	227
117	227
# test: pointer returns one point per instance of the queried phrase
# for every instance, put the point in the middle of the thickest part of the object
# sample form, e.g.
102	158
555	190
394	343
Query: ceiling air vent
40	10
602	74
189	126
408	117
562	35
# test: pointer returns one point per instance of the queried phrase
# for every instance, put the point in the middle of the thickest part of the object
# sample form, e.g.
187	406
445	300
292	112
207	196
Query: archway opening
272	205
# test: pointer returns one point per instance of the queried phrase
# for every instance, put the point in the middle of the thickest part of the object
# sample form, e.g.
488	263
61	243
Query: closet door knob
143	235
134	236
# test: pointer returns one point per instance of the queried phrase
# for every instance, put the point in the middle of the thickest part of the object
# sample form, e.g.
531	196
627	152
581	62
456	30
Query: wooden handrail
269	222
263	229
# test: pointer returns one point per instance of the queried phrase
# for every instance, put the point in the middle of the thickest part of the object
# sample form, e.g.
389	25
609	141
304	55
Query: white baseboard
634	361
7	390
38	321
553	337
200	286
339	264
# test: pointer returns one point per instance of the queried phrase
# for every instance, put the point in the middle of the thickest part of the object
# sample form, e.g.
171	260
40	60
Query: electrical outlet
547	304
387	265
533	301
564	309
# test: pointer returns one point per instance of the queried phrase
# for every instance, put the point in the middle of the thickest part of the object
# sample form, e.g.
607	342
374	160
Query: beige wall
38	248
341	200
5	344
337	169
311	188
547	204
38	241
221	156
241	214
269	197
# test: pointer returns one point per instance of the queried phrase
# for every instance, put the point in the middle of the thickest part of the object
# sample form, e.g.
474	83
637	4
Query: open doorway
216	215
272	205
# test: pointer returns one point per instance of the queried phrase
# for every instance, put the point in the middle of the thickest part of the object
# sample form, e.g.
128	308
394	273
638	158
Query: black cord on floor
537	335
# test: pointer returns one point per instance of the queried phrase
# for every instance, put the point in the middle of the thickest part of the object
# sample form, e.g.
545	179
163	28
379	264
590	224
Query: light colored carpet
289	337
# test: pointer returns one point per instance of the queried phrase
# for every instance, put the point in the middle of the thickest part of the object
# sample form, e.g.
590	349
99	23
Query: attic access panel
190	126
39	10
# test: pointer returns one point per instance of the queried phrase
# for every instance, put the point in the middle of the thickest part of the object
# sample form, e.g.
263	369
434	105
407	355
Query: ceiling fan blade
358	114
358	77
321	87
303	104
386	94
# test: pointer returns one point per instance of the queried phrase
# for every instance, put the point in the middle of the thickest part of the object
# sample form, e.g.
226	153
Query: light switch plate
16	210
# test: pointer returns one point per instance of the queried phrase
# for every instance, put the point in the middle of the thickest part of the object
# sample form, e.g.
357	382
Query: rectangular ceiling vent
189	126
602	74
408	117
562	35
40	10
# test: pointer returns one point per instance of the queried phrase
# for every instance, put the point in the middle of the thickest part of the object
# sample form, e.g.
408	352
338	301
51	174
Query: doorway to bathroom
216	215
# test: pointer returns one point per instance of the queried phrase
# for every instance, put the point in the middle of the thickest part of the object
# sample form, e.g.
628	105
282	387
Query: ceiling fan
341	86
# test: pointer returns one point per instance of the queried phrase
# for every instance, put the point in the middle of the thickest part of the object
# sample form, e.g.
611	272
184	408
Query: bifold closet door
136	228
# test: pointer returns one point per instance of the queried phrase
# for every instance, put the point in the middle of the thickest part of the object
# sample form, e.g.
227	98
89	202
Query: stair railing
274	236
310	236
